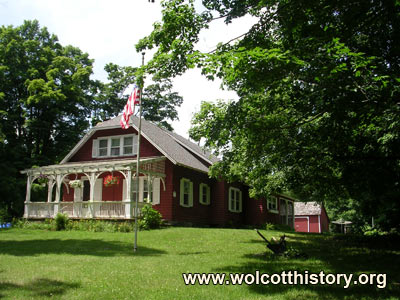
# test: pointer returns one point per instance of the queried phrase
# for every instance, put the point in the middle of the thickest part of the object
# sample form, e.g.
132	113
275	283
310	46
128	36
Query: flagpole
138	162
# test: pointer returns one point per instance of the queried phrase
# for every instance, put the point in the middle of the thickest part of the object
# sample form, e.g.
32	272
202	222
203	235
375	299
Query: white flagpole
138	161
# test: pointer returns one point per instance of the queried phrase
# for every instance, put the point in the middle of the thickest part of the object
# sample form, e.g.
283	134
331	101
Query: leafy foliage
151	218
159	102
318	83
61	221
45	102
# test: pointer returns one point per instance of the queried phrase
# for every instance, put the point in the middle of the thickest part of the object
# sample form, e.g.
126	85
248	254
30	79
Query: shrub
151	218
61	221
269	226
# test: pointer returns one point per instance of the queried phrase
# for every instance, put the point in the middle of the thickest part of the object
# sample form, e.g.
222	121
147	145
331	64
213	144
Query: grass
38	264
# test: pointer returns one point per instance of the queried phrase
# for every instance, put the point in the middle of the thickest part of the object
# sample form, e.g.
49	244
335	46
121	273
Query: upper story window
111	146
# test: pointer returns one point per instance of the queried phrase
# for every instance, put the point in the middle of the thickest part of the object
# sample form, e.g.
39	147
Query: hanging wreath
110	180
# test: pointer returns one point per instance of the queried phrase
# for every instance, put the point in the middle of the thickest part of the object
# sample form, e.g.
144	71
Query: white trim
182	192
233	209
85	138
319	223
121	146
269	199
95	129
303	217
207	202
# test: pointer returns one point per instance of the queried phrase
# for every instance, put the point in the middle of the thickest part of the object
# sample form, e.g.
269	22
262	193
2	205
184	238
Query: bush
61	221
269	226
151	218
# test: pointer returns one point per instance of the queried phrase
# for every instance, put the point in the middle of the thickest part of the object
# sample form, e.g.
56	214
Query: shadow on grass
74	247
42	287
330	254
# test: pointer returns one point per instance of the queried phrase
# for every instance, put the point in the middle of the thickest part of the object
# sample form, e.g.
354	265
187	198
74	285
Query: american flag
134	99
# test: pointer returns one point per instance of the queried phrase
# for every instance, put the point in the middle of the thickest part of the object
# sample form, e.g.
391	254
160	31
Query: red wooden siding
199	213
85	152
324	221
301	224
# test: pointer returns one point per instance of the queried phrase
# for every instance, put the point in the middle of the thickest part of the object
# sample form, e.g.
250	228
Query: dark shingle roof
178	149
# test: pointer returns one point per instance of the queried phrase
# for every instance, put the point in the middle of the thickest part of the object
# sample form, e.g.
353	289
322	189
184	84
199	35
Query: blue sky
108	31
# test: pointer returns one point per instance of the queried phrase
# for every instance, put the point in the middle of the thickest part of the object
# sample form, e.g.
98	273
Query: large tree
46	96
318	82
159	102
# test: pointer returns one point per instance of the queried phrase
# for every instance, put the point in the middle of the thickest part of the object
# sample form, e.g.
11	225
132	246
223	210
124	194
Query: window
103	147
128	143
115	146
272	204
147	196
186	193
235	200
204	194
123	145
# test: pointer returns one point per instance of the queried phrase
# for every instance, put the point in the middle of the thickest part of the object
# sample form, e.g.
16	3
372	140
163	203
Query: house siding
199	213
85	152
324	221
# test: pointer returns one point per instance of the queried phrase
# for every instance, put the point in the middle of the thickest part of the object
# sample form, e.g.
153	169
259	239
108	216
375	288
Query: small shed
310	217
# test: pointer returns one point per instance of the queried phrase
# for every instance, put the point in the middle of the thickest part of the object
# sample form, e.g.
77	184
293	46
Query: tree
318	84
159	102
45	103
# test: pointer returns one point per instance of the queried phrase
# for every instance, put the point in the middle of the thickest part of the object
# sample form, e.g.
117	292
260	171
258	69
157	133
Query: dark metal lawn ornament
277	247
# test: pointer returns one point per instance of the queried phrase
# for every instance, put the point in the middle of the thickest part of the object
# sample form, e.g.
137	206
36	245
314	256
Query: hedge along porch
85	194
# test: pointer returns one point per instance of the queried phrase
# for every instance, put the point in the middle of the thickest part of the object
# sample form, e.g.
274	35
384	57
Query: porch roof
147	165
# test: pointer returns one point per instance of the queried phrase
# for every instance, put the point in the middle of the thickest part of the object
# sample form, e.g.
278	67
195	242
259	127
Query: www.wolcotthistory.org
285	278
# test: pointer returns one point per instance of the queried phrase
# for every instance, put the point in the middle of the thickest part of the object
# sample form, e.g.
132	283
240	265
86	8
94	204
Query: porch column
58	193
93	207
49	189
128	200
28	195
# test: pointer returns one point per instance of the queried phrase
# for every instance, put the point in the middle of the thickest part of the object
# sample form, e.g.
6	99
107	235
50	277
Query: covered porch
95	189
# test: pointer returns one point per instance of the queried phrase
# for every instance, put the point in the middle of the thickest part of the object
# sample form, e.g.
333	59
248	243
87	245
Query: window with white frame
235	199
115	146
122	145
186	193
204	194
128	144
102	147
272	204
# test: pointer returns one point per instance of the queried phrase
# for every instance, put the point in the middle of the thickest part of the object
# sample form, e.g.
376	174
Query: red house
97	180
310	217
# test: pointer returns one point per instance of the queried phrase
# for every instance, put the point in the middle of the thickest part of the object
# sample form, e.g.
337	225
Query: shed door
301	224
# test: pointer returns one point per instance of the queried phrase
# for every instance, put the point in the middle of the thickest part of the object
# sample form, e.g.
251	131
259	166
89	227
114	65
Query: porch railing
83	209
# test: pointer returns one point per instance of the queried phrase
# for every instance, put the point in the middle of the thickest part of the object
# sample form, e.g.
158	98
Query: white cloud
108	30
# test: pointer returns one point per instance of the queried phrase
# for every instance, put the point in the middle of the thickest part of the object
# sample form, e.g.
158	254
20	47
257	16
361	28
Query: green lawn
38	264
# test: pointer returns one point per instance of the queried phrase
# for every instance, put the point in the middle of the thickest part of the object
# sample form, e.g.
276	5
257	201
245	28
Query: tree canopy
45	99
159	102
48	100
318	85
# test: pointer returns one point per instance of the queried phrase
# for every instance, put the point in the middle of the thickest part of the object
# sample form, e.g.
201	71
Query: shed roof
311	208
